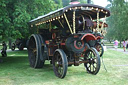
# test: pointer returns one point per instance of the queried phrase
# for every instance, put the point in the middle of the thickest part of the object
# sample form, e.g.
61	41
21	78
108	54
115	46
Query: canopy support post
103	23
61	24
98	21
68	23
74	22
83	22
103	31
37	29
50	25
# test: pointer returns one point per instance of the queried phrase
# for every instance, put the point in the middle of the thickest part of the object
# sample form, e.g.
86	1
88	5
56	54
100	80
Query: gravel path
118	49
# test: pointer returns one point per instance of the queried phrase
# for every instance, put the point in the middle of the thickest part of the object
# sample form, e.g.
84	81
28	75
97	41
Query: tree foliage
65	2
15	15
118	20
4	19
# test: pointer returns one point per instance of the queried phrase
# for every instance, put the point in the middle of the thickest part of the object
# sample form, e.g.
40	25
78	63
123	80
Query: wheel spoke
60	59
91	54
90	67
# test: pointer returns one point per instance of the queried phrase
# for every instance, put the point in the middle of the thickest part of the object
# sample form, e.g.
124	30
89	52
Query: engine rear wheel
93	58
21	47
60	63
34	52
13	46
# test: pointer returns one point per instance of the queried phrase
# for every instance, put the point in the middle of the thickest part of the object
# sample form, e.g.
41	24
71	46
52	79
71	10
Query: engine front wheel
93	58
60	63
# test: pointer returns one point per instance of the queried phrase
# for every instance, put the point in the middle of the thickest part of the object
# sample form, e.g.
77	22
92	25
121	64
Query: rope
104	64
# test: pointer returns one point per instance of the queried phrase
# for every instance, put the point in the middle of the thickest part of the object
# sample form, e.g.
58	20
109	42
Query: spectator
124	45
116	44
3	53
127	44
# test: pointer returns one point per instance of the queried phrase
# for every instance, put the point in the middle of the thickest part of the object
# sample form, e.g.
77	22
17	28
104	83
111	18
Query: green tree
59	3
4	20
15	15
117	22
82	1
65	2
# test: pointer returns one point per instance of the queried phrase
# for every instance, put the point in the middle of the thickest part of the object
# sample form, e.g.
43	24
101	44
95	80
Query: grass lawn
15	70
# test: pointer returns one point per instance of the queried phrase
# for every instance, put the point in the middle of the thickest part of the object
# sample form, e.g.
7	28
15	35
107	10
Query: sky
102	3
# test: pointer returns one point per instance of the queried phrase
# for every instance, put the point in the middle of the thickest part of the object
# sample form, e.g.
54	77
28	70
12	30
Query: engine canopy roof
81	9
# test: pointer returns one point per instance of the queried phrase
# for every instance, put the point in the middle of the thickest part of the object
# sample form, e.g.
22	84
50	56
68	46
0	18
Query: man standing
3	53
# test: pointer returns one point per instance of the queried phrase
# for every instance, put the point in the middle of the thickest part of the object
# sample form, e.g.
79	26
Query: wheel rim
93	65
59	64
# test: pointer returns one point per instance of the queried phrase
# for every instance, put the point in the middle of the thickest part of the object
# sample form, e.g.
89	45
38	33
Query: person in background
127	44
116	44
124	45
3	53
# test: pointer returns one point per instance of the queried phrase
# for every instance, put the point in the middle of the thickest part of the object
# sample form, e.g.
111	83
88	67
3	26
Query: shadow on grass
20	61
17	68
